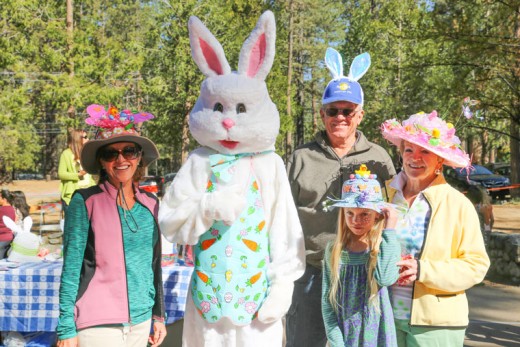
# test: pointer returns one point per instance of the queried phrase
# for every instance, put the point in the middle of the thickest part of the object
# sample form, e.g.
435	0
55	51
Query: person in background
71	174
111	284
316	171
443	251
359	265
481	199
6	235
18	201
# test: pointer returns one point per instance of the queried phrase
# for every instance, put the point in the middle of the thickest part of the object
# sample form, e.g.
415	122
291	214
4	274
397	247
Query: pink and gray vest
103	293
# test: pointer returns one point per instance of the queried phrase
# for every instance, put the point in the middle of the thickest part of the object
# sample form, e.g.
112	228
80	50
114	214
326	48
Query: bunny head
234	112
25	245
342	88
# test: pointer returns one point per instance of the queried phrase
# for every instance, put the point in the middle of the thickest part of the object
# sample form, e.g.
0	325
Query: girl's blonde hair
343	236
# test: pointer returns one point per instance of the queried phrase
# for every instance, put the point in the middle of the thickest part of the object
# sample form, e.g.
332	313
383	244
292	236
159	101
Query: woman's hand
408	272
159	333
72	342
390	215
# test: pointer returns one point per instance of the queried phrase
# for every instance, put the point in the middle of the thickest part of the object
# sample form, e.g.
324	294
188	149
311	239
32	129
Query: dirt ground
40	191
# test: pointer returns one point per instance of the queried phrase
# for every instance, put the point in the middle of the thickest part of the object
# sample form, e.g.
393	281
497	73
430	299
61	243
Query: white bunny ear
11	224
206	50
257	53
359	66
334	63
27	224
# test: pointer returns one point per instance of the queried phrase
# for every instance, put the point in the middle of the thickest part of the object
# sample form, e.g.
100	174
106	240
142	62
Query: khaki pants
116	336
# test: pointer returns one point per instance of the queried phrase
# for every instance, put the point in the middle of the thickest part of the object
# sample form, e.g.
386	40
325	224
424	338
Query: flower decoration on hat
361	190
114	122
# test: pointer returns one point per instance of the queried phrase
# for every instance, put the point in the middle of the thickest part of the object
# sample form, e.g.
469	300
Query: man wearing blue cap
316	171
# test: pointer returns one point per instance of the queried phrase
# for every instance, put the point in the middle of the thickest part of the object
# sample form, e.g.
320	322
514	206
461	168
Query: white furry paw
226	204
277	302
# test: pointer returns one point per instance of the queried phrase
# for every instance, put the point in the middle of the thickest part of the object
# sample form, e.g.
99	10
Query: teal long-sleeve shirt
138	248
386	273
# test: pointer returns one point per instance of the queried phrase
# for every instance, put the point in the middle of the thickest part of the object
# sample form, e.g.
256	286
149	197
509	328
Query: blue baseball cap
343	89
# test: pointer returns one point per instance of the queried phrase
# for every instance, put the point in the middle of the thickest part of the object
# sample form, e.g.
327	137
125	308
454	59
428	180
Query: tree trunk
300	117
71	110
50	145
185	135
515	121
70	36
315	112
288	137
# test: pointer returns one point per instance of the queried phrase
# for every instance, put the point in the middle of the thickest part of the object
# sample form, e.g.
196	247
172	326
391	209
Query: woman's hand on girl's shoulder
390	215
72	342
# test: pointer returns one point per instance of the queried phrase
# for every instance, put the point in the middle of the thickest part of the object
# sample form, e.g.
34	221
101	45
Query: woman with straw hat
111	285
442	249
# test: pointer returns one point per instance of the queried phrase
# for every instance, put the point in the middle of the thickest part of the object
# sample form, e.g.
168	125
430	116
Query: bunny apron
231	260
230	280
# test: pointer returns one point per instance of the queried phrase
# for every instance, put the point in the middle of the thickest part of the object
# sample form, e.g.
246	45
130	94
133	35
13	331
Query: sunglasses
334	112
128	153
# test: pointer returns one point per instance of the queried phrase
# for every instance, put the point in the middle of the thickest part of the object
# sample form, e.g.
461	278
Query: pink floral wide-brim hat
115	126
430	132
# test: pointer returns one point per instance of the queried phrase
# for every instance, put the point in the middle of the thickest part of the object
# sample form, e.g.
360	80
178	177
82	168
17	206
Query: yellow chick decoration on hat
363	171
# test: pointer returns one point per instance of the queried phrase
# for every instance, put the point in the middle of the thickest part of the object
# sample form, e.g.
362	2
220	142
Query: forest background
59	56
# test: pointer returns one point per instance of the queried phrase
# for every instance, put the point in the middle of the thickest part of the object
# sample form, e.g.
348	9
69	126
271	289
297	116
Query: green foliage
425	55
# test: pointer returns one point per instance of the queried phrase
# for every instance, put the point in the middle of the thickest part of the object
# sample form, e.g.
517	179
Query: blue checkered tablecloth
29	295
176	281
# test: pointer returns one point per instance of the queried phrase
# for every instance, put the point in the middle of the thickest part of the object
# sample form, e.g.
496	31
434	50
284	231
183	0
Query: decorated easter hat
361	190
345	88
430	132
114	126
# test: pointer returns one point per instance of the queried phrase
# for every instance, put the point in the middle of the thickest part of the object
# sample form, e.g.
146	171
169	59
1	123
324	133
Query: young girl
359	265
18	201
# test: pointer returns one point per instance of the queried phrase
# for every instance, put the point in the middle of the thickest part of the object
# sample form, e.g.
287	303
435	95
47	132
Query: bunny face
234	114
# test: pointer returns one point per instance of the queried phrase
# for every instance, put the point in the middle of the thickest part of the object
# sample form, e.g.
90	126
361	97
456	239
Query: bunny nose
228	123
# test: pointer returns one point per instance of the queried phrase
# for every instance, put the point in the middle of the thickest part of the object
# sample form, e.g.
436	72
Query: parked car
479	175
503	169
168	179
152	184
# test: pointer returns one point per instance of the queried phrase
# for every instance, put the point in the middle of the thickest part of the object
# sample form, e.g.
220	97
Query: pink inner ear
211	57
257	56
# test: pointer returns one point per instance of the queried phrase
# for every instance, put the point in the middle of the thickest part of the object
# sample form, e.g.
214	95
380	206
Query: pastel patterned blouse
411	227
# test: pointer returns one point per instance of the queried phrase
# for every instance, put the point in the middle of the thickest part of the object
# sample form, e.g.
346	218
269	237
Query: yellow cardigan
452	260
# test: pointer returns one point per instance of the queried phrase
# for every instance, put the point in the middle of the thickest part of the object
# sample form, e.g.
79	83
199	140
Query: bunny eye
241	108
218	107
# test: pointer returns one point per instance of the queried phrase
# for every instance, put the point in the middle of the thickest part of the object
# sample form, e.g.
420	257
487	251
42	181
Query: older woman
111	286
442	247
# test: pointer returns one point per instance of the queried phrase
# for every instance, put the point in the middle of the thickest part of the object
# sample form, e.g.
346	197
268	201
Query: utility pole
70	46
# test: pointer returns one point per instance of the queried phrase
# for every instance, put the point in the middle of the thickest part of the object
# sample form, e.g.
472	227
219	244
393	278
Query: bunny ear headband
115	126
342	88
